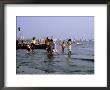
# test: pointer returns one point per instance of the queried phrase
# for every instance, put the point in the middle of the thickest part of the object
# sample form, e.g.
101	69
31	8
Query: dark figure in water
49	49
49	46
47	43
33	44
63	46
17	44
51	56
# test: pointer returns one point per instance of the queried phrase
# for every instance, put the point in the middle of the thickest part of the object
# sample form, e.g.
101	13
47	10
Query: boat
78	43
24	46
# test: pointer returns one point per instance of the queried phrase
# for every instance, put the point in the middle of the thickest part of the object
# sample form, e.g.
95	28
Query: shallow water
80	62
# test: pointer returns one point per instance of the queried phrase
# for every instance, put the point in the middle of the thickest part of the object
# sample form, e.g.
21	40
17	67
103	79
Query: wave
84	59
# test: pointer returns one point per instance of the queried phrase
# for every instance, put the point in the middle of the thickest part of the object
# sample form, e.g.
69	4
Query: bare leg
70	52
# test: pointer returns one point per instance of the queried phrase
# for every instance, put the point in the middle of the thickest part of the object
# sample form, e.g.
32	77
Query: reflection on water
50	57
69	59
81	61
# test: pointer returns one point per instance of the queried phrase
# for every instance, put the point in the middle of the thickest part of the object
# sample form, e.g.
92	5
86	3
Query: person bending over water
69	46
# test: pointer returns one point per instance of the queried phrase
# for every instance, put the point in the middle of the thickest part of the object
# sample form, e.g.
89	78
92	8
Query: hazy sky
58	27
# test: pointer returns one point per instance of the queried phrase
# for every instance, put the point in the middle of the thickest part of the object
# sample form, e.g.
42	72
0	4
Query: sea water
81	61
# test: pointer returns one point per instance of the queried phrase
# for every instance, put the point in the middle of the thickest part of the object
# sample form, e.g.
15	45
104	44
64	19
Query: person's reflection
51	56
69	59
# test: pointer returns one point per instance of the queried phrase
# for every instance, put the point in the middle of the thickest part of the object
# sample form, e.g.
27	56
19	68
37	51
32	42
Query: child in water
69	46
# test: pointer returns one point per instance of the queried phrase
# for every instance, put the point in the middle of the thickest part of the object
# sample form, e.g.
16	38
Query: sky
60	27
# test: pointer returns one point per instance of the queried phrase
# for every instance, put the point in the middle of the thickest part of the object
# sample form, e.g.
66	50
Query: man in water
33	43
69	46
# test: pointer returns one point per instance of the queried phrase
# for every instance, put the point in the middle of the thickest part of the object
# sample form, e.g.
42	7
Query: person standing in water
47	43
33	43
69	46
51	46
55	48
28	48
63	46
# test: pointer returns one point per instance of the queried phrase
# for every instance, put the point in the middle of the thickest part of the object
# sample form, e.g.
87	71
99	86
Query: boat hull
24	46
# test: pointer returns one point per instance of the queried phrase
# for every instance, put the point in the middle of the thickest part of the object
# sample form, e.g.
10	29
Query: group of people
69	46
52	48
